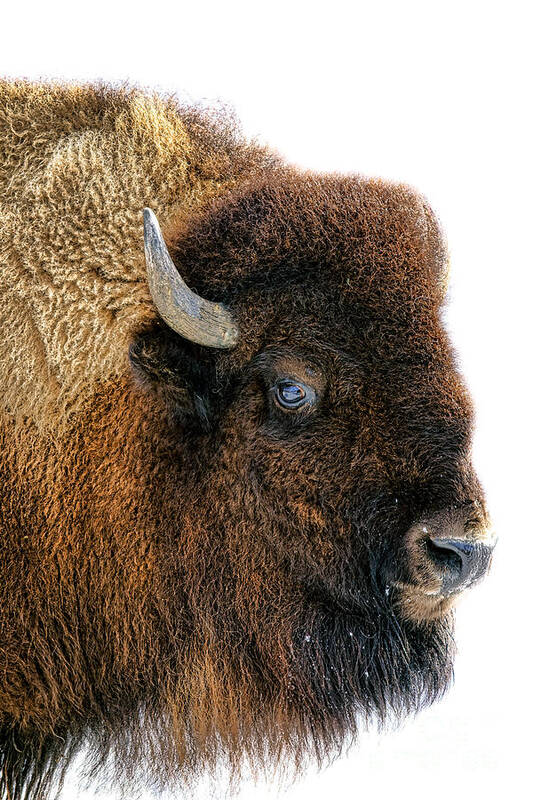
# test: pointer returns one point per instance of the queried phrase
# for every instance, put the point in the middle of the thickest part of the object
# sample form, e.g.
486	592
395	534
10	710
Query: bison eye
292	395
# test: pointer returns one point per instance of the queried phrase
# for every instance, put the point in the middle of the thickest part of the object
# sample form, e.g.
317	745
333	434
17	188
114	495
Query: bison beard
192	573
335	688
344	671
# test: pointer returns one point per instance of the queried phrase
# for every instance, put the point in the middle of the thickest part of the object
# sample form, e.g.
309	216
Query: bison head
325	512
269	521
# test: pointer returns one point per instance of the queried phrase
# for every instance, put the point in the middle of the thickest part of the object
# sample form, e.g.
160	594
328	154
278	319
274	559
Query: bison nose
450	551
460	562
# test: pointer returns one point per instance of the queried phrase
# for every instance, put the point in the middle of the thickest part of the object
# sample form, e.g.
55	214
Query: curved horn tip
149	216
150	222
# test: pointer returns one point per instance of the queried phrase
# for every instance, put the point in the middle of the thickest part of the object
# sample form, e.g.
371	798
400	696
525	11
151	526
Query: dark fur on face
212	577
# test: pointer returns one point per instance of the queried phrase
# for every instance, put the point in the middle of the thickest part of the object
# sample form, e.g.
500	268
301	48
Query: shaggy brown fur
191	573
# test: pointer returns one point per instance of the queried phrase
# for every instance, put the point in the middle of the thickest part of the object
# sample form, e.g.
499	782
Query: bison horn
191	316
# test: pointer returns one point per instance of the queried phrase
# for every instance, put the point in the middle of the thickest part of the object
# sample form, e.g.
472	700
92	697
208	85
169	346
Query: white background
437	94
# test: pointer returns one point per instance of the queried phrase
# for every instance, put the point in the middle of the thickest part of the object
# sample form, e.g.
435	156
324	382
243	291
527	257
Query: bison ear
179	373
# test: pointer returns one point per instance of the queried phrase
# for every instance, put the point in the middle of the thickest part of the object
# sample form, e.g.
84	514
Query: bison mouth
422	606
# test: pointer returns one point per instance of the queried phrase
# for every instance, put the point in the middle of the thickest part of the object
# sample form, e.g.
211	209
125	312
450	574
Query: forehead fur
371	239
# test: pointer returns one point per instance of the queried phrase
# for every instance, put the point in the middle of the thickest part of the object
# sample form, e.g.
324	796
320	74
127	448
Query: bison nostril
446	555
460	561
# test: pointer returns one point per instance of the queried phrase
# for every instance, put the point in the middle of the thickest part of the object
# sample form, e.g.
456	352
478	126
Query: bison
237	501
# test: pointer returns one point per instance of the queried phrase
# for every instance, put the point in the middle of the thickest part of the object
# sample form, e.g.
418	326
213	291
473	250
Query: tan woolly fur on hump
77	165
